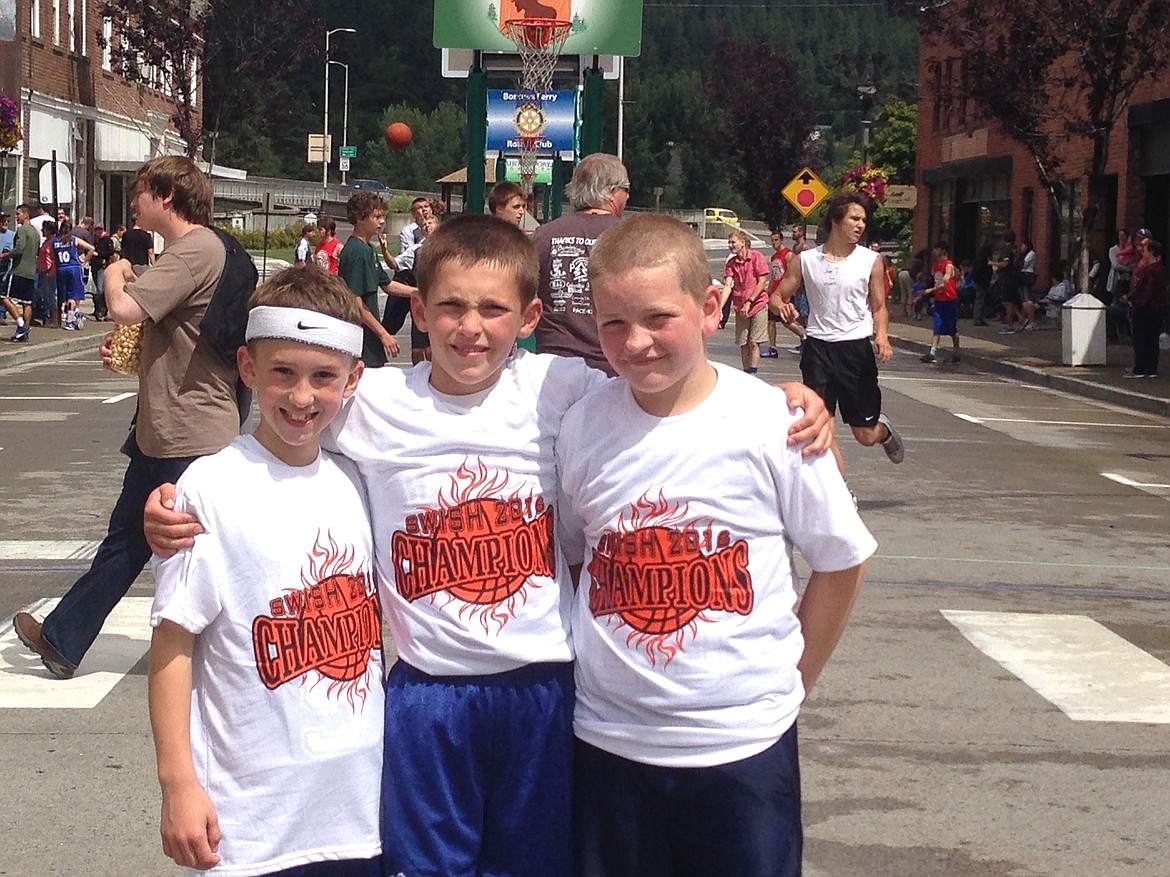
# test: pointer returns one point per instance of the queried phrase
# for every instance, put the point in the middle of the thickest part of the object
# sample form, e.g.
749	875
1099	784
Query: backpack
226	318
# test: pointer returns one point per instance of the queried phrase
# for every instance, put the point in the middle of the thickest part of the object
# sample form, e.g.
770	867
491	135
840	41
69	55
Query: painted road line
1032	422
1084	669
1006	561
26	684
120	397
53	398
1128	482
45	550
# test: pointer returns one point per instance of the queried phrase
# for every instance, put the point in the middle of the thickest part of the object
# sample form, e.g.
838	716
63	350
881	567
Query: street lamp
327	151
344	113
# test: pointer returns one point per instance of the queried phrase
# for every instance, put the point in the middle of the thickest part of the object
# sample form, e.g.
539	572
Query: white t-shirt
462	493
838	294
687	642
287	706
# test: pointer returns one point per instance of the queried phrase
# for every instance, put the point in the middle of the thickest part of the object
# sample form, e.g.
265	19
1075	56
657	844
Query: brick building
974	181
101	126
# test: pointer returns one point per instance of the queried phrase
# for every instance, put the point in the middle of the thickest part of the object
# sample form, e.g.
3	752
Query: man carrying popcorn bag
186	395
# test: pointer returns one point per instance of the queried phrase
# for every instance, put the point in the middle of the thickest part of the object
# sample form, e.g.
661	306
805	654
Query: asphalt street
1000	704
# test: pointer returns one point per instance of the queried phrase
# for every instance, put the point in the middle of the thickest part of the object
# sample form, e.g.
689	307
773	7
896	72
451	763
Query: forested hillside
714	77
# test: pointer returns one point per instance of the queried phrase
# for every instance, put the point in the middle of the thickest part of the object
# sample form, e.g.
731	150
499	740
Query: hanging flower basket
10	133
868	180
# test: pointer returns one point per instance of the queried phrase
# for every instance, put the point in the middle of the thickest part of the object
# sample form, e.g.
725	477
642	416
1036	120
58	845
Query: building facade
974	182
76	108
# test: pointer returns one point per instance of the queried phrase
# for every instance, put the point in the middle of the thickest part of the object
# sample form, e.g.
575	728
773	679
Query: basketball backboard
599	26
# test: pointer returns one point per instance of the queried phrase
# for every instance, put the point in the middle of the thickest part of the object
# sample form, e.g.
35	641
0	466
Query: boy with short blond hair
265	668
684	507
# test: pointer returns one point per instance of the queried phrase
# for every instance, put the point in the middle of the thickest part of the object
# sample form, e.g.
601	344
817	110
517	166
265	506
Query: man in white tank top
847	324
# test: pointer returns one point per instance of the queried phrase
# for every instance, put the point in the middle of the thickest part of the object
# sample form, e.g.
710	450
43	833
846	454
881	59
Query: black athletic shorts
21	290
844	372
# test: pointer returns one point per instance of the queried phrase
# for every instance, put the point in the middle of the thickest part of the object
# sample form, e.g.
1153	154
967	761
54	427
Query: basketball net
538	42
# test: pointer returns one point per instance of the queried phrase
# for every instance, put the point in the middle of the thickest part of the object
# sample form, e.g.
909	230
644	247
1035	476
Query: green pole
476	137
593	102
555	194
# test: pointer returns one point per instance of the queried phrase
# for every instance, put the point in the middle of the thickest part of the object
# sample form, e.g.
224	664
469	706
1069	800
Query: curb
1039	377
36	351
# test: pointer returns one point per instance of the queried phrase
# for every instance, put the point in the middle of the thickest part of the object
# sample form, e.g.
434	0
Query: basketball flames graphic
329	628
481	545
659	575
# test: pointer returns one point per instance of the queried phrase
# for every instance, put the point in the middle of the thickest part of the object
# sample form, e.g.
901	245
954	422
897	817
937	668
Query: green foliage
278	238
895	134
438	147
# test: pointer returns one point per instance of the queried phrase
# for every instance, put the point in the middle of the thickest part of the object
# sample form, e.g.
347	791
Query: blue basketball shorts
946	317
477	773
641	820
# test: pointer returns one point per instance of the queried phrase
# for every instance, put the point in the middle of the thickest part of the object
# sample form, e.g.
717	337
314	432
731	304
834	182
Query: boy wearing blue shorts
946	303
265	668
692	656
457	455
67	251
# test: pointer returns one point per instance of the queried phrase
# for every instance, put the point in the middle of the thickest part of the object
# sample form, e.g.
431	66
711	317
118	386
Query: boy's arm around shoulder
190	827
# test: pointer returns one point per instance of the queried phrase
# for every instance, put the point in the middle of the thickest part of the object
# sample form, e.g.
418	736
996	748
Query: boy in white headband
266	665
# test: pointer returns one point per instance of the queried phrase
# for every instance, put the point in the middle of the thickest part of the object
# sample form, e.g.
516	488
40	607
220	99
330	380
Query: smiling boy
269	751
684	507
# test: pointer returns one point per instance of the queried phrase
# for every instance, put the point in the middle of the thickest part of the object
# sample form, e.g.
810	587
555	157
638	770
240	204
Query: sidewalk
48	343
1035	358
1031	357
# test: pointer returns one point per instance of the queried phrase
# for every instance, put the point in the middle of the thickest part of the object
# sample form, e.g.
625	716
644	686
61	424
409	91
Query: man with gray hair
598	192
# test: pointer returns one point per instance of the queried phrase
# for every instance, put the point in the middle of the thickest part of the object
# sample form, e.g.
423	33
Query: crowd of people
48	266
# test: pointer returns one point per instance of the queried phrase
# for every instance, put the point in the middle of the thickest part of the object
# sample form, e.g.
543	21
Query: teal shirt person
363	273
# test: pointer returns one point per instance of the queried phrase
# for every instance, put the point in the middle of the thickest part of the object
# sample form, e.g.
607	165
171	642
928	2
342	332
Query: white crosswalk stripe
1086	670
26	684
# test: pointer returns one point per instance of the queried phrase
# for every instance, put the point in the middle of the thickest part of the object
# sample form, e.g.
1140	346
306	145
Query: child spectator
70	280
304	253
397	308
47	277
328	246
265	669
745	283
918	291
359	267
1061	289
946	303
691	661
506	200
777	265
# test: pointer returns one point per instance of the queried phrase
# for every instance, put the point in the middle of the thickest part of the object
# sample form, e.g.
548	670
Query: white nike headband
308	327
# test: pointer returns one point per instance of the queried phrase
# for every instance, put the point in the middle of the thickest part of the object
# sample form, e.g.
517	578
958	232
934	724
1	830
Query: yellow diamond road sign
805	191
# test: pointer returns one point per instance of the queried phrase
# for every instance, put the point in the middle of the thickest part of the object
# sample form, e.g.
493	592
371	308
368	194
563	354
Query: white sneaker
893	446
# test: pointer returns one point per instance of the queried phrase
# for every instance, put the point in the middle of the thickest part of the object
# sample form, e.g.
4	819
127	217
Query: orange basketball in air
398	135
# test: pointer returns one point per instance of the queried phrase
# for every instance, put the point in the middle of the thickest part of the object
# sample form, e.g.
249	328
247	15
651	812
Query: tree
1054	71
766	137
234	47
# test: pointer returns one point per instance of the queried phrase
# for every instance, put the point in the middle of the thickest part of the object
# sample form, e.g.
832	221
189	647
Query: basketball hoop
538	42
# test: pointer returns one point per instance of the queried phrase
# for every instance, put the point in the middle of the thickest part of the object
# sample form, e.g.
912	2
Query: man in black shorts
17	298
847	322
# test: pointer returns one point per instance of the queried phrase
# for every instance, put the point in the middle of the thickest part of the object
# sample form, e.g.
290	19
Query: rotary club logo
481	546
659	576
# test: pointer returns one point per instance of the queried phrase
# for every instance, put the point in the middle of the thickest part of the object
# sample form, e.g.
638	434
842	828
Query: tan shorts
753	328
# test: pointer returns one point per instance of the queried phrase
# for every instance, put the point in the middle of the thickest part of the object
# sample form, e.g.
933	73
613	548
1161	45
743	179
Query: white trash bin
1083	330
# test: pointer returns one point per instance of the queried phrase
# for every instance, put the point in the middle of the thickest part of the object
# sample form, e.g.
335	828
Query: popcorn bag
126	349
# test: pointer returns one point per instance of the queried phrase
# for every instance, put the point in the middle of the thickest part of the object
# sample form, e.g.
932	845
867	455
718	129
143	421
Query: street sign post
805	191
343	163
320	148
347	152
